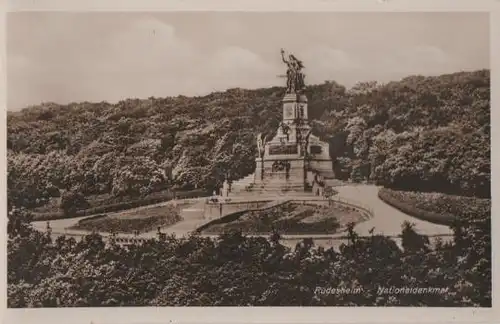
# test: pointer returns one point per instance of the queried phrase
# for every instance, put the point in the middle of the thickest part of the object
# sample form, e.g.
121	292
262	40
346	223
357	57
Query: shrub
397	202
71	201
436	207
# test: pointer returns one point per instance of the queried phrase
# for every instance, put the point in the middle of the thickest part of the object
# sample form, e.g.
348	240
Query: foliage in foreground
238	270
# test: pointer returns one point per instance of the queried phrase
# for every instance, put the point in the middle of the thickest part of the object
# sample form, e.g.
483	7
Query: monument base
298	176
294	160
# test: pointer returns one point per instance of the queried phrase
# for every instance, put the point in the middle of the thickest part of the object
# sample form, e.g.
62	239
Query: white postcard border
263	314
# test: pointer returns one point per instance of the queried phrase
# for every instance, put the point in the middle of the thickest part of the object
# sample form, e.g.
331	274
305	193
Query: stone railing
128	240
236	214
232	214
224	208
287	239
119	238
366	211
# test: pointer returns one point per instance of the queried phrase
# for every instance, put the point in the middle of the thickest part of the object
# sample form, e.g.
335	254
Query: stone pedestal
294	107
293	154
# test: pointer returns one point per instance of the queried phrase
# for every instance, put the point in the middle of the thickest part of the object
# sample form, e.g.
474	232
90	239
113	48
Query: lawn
107	203
143	220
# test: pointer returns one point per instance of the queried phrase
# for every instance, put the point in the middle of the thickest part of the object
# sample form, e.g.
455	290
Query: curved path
59	226
387	220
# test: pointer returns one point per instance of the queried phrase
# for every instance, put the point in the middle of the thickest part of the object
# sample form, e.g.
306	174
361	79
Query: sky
68	57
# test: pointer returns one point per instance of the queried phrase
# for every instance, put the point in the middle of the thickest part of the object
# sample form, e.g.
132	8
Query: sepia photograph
210	158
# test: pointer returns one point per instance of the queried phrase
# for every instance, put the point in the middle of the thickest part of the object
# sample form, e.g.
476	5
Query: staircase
278	186
241	184
267	187
294	186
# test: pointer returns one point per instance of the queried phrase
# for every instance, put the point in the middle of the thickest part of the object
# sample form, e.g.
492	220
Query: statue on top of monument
295	77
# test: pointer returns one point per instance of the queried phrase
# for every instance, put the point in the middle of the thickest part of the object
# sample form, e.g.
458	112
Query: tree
137	176
356	174
413	242
73	200
18	221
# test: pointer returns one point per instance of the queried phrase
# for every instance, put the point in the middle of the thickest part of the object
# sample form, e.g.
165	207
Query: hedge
90	218
438	218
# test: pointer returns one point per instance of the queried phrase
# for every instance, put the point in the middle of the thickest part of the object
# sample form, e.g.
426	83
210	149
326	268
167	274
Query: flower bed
289	218
147	221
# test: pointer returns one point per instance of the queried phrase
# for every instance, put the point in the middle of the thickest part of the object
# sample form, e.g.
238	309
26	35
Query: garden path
387	220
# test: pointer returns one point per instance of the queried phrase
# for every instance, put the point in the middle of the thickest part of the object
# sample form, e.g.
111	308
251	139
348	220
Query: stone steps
270	186
279	194
242	183
277	183
280	186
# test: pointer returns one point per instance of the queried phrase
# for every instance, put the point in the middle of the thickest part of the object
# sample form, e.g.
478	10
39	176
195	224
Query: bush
435	207
237	270
71	201
91	218
234	270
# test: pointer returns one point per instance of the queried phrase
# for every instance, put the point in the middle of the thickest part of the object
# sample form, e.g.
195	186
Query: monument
294	159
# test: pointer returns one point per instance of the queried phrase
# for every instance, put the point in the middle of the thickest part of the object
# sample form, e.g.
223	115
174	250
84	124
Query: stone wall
296	171
323	167
217	210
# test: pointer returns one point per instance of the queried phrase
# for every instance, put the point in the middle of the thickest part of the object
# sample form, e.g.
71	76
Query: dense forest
419	133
